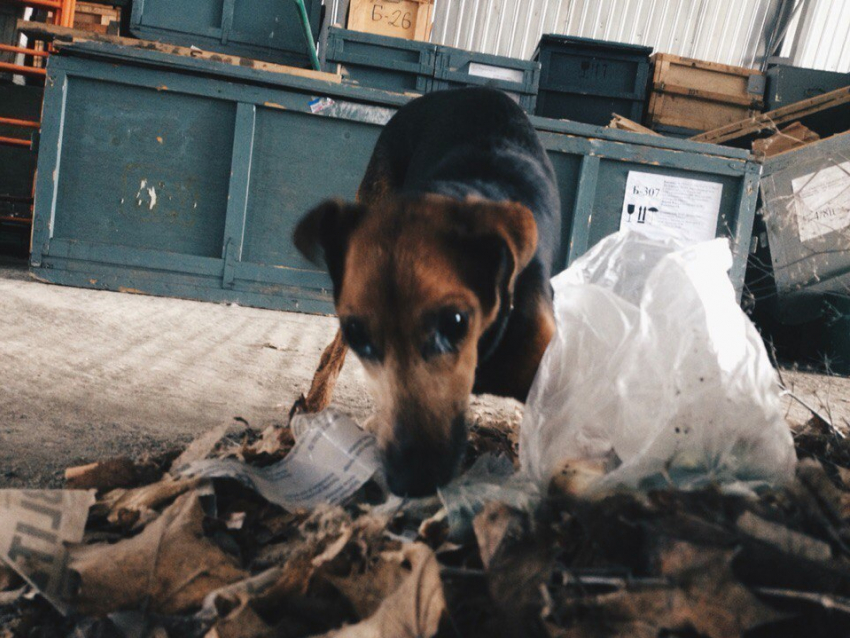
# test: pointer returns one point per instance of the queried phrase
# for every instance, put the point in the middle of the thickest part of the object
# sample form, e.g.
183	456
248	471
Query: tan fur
393	277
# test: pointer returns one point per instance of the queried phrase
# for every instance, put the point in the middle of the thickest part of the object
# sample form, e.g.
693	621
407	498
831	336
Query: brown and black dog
441	272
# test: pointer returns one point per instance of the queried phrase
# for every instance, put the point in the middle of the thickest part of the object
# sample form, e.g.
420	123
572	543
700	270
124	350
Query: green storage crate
789	84
269	30
806	202
587	80
184	177
381	62
457	68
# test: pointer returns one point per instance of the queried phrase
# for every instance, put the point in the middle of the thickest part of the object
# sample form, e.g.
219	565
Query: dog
441	272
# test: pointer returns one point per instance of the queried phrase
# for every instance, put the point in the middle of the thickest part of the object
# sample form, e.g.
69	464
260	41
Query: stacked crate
407	66
589	81
691	96
97	18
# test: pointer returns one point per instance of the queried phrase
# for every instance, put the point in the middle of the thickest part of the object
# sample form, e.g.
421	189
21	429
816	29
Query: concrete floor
89	375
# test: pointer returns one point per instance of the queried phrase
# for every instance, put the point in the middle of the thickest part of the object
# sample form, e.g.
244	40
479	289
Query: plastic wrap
655	366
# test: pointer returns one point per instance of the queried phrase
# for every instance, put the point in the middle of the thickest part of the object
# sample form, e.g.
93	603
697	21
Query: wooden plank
772	119
791	137
669	58
710	96
625	124
53	32
694	114
98	9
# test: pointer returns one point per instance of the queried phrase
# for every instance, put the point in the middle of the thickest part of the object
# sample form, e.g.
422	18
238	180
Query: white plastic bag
655	365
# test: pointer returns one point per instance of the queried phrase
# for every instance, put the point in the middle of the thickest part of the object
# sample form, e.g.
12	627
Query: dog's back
441	272
468	142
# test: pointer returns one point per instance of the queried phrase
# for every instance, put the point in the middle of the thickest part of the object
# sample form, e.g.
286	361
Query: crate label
495	72
687	208
822	201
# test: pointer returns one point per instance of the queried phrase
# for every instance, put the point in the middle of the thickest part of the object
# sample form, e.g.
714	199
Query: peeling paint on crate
274	105
132	291
151	192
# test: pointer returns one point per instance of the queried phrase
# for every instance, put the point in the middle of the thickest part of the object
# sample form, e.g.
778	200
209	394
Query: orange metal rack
61	13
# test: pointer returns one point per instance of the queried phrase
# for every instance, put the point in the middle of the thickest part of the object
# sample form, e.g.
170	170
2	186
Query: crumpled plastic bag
655	367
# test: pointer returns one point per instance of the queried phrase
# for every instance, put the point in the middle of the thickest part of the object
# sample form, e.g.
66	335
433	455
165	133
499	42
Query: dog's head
417	282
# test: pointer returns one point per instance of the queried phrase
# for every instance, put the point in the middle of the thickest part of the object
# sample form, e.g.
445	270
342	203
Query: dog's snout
417	467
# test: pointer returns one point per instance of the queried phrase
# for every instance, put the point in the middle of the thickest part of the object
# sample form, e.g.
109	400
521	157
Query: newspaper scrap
688	208
35	525
332	458
822	201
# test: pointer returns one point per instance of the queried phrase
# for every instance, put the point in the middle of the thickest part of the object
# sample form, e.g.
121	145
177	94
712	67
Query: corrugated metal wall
821	36
729	31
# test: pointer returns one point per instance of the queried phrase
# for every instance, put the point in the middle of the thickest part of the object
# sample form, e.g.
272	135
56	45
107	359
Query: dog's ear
322	235
500	240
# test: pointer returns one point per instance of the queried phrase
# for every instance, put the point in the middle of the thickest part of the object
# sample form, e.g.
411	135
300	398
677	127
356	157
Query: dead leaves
414	609
168	568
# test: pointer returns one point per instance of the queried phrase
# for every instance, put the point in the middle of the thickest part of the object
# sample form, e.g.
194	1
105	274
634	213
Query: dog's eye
450	328
356	335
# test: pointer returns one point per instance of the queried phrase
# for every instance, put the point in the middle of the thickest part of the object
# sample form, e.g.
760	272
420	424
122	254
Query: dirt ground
89	375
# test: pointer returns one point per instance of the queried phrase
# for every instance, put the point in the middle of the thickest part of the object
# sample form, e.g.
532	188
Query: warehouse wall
821	36
728	31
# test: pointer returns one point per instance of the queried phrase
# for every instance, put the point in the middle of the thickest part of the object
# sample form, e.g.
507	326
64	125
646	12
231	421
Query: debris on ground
209	557
743	529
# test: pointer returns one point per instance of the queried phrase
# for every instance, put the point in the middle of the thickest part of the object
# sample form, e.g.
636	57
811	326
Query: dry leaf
414	610
126	506
200	448
105	475
367	590
170	566
492	525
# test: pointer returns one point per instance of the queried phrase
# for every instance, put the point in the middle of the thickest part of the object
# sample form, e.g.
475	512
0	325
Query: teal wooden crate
587	80
806	203
182	177
269	30
380	62
456	68
789	84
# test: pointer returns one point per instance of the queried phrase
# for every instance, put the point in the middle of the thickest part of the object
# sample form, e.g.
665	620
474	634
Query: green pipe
308	34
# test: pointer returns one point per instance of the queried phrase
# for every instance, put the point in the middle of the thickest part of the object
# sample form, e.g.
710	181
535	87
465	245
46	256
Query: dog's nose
417	468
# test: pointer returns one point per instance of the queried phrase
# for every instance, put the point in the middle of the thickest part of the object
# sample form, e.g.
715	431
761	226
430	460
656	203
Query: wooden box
409	19
97	18
692	95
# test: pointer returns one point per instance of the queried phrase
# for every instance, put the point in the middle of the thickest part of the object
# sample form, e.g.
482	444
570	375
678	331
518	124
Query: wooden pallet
698	95
97	18
771	120
625	124
63	34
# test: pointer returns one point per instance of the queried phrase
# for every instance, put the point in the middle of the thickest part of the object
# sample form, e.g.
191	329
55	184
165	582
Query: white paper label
688	208
330	461
35	525
495	72
822	201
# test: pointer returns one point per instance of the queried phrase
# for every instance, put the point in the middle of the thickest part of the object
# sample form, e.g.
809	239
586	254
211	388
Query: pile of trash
681	507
